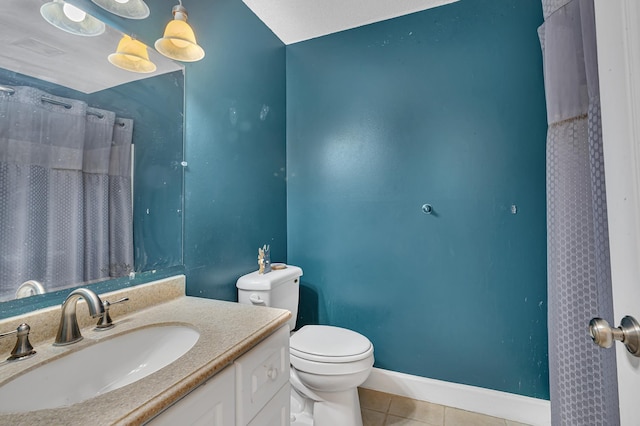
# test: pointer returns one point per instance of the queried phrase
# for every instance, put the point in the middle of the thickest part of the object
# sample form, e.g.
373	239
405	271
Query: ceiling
33	47
298	20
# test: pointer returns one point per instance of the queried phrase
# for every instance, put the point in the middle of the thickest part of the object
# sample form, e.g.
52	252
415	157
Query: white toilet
327	363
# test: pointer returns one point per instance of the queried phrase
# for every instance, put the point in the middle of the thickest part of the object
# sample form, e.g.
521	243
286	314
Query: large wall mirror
61	65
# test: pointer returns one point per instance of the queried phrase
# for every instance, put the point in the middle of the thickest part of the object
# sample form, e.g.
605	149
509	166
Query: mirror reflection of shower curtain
583	381
59	163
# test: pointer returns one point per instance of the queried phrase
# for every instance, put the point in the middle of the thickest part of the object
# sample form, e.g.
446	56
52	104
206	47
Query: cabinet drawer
277	412
260	374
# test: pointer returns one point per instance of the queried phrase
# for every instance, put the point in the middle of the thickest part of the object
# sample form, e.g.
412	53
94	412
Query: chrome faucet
69	332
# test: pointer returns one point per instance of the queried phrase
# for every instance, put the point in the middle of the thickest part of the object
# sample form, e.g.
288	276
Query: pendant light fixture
69	18
179	41
132	55
131	9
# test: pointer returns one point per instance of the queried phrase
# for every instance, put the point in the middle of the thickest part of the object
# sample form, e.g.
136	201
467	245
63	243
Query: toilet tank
279	288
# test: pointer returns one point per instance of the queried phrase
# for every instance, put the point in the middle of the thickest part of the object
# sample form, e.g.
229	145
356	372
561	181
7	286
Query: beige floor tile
374	400
432	414
402	421
383	409
372	418
455	417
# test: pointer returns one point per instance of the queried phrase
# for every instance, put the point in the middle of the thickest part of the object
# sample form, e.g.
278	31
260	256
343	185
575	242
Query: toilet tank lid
256	281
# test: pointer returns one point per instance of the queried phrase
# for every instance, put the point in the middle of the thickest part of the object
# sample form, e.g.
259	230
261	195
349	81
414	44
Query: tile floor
384	409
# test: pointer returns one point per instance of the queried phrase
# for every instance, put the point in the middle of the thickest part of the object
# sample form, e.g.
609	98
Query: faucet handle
23	348
105	323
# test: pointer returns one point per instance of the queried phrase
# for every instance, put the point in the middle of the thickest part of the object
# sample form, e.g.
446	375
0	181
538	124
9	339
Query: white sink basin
97	369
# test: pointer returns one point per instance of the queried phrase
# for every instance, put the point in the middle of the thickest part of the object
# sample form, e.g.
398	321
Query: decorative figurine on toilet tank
264	259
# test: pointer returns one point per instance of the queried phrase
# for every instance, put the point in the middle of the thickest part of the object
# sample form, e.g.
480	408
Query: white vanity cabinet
253	391
261	374
210	404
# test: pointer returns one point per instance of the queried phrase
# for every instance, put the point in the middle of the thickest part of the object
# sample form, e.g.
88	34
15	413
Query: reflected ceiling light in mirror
179	41
132	55
71	19
131	9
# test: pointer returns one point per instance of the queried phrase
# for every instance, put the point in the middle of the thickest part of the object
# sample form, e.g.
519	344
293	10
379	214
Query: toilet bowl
327	363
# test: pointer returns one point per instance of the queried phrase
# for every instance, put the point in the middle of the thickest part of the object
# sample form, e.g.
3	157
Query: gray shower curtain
65	191
582	376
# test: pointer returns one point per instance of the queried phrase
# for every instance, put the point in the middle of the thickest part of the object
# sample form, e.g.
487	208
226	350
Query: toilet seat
328	350
324	343
332	368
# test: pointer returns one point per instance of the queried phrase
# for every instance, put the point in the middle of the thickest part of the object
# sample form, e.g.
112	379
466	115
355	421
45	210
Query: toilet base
302	419
301	409
336	408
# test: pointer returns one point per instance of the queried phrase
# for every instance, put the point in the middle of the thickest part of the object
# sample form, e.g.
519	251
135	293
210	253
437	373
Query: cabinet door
260	374
211	404
277	412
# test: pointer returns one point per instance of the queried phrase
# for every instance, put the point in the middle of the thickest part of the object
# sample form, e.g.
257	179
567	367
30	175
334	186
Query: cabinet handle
272	373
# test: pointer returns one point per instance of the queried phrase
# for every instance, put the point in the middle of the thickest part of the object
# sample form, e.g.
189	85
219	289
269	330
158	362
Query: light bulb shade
53	12
132	55
131	9
179	41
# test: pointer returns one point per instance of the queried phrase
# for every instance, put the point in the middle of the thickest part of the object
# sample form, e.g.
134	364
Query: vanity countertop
227	330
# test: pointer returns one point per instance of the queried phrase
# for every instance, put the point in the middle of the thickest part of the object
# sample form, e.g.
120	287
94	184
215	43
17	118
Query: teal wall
235	195
444	107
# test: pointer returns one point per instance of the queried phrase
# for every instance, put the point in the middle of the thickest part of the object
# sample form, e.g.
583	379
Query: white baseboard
505	405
